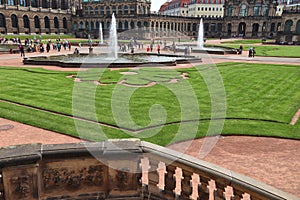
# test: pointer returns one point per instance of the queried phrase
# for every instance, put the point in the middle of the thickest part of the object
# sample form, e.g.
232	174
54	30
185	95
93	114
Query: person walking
48	47
22	51
158	49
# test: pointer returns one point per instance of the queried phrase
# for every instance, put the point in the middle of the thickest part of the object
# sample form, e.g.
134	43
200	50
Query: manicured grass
243	41
272	50
261	100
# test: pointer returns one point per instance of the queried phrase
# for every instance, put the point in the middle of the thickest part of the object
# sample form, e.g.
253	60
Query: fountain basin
209	50
101	60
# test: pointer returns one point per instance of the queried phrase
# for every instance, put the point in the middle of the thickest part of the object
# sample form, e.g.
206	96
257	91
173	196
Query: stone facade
245	18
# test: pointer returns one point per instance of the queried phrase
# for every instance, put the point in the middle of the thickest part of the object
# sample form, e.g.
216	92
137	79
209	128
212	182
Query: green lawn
245	41
44	37
271	50
260	100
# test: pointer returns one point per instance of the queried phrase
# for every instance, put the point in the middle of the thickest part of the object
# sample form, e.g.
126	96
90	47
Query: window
23	3
10	2
14	21
266	10
256	9
56	23
36	22
2	20
65	23
230	10
47	22
26	21
243	10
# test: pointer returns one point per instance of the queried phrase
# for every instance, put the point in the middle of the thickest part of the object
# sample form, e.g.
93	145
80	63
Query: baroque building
244	18
35	16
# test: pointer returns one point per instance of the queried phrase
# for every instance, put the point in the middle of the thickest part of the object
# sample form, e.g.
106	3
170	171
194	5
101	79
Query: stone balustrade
119	169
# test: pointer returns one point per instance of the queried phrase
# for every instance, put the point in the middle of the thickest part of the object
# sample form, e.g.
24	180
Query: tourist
185	51
69	46
151	47
58	46
250	52
48	47
253	52
240	51
148	49
76	51
158	49
22	51
189	50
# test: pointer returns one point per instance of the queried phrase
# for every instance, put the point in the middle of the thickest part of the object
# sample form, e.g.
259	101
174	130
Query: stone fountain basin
209	50
101	60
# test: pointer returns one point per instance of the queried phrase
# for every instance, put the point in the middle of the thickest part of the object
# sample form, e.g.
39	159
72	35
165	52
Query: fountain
113	38
200	45
100	34
200	41
111	59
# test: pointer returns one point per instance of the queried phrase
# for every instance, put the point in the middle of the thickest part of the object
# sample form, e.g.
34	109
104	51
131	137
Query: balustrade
135	170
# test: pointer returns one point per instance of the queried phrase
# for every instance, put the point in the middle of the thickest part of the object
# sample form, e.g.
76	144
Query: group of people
251	51
187	51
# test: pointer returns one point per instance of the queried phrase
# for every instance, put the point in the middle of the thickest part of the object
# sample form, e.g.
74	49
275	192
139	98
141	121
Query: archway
242	29
255	28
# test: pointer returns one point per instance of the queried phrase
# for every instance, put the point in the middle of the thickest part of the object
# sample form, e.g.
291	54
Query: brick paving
270	160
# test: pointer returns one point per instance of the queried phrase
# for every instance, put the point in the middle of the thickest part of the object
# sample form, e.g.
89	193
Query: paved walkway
270	160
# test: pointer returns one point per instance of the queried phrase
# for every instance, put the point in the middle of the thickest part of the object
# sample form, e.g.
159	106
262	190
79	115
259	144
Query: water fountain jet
200	39
100	34
113	38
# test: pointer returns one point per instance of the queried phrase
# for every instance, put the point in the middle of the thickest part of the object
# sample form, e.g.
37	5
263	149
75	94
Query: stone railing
118	169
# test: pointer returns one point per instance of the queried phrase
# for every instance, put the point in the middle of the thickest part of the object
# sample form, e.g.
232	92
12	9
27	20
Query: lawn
260	100
270	50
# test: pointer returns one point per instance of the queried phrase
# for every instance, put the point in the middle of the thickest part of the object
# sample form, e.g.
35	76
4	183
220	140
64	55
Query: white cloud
155	5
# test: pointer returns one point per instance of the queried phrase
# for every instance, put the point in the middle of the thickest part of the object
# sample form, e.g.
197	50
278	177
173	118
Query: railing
119	169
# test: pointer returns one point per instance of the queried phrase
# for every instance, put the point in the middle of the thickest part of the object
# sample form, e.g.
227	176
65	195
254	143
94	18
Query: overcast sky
155	5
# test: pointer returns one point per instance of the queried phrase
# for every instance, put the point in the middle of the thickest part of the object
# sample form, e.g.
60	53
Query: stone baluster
203	190
153	178
1	187
237	194
170	182
186	186
219	191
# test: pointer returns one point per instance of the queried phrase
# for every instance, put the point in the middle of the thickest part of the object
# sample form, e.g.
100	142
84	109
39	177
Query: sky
155	5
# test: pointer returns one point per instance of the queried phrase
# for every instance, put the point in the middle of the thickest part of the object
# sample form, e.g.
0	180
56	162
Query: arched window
65	23
298	27
96	10
120	26
146	24
107	10
2	20
126	25
132	25
108	25
272	27
91	10
229	29
10	2
47	22
87	26
243	10
23	3
125	9
37	22
54	4
97	25
26	21
266	10
81	25
120	11
75	26
219	27
102	10
139	24
92	26
64	4
287	26
14	21
114	9
56	23
132	9
45	4
257	9
230	10
34	3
